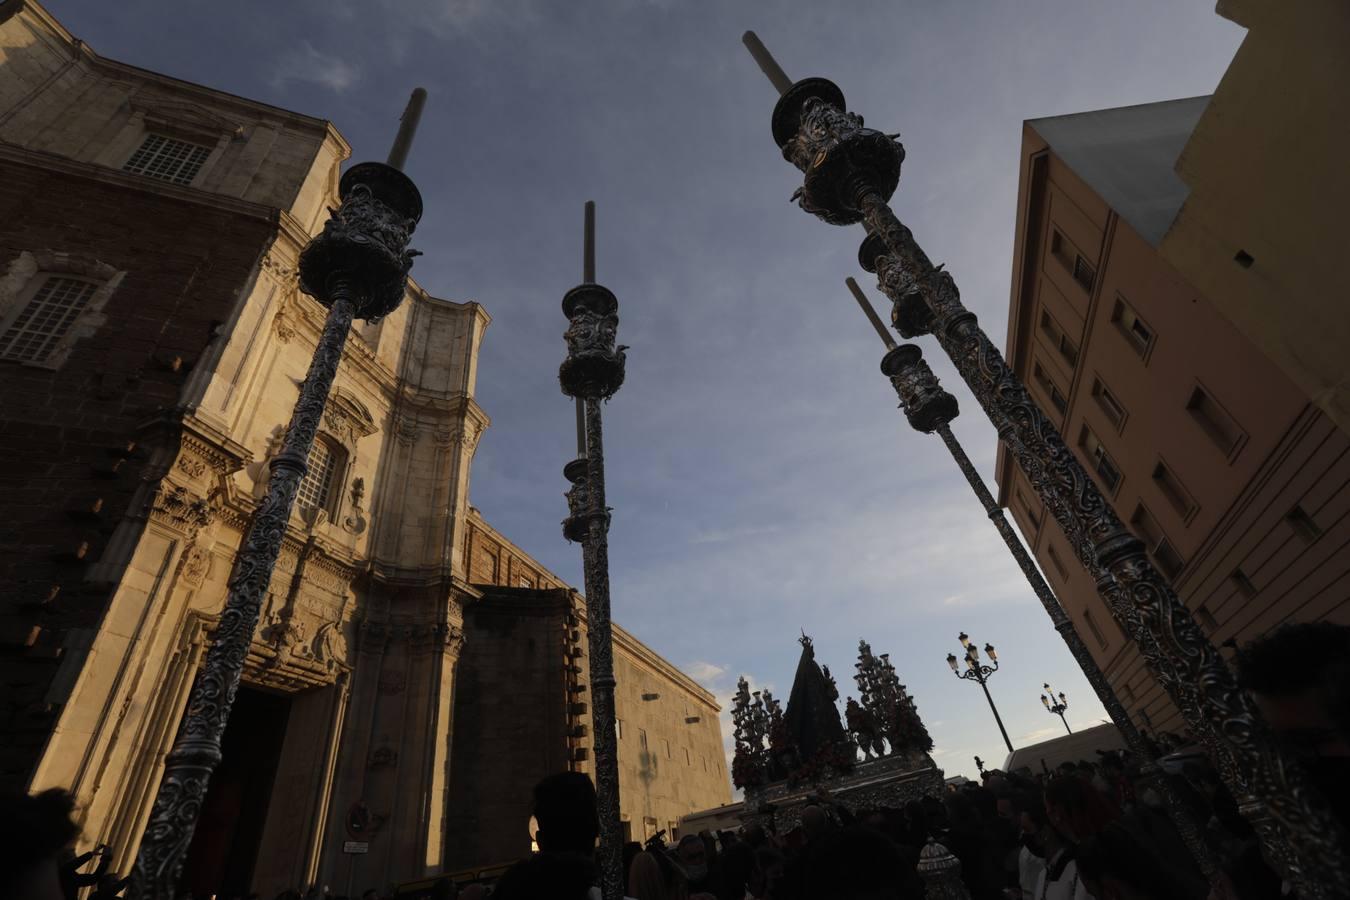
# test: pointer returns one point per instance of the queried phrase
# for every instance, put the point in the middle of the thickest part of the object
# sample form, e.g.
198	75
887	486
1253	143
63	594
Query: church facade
152	340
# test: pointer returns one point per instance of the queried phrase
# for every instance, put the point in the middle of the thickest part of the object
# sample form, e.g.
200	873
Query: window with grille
167	159
1215	421
316	488
40	325
1135	329
1165	556
1047	385
1108	404
1099	460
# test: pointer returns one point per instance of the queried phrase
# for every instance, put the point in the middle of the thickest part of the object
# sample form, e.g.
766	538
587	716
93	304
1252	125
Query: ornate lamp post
929	408
979	673
358	266
592	372
850	174
1048	699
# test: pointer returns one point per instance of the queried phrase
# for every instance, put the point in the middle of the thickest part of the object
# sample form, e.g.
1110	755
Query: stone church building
414	672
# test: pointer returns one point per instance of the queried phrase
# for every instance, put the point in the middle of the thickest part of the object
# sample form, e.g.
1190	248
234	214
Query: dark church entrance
225	846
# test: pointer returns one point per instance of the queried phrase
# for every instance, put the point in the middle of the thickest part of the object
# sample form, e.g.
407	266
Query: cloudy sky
762	480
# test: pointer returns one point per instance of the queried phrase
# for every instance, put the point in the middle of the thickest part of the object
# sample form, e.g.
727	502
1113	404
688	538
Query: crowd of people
1092	830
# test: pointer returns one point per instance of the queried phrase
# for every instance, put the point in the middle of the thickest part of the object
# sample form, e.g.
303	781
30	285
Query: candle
767	64
870	313
407	127
588	251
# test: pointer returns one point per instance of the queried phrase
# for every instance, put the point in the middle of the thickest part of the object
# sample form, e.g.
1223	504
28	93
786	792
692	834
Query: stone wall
510	721
76	438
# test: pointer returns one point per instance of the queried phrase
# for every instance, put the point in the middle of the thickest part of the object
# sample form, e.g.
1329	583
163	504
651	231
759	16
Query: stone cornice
249	107
39	159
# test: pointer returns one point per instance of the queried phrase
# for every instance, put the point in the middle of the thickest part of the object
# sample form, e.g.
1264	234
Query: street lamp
979	673
1056	706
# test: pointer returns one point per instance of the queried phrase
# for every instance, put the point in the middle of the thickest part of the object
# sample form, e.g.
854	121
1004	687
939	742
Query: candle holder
358	266
593	371
850	173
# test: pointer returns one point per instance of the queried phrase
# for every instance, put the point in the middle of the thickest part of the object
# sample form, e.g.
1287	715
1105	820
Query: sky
762	480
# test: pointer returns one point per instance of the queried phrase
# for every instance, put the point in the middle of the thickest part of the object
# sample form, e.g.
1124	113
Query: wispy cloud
306	63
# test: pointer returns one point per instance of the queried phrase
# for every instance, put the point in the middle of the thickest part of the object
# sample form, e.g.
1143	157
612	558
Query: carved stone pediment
181	116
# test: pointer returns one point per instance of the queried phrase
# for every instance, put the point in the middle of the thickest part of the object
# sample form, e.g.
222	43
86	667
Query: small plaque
356	847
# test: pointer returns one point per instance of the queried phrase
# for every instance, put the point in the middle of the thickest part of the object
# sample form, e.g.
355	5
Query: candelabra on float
1056	703
850	174
358	266
979	673
929	408
593	372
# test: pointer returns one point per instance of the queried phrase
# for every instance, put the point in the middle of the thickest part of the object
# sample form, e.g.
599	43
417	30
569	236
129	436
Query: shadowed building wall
1236	482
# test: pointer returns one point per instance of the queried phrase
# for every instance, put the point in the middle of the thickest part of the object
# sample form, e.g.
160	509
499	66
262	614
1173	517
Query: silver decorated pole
929	408
358	266
593	372
850	173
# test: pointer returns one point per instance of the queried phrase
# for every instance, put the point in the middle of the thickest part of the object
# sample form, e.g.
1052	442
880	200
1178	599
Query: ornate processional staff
592	372
850	174
929	408
358	266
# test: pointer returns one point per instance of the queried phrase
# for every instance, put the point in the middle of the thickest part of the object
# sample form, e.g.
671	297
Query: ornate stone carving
355	521
383	757
192	466
181	509
194	565
284	327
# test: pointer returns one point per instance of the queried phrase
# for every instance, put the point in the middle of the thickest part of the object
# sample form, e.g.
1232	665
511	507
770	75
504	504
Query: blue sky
762	480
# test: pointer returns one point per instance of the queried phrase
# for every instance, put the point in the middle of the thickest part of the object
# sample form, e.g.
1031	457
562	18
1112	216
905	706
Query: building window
1059	339
525	582
37	330
317	488
167	159
1099	460
1246	587
1027	509
1043	379
1057	562
1135	329
1127	694
688	760
1206	619
1083	273
1096	632
1303	524
642	738
618	729
1108	404
1165	556
665	745
1171	487
1215	421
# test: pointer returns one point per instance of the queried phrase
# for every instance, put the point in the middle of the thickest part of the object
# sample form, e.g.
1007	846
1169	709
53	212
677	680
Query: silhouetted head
564	808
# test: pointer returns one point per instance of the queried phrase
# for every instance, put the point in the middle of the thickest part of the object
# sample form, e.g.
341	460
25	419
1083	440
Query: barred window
316	488
167	159
46	318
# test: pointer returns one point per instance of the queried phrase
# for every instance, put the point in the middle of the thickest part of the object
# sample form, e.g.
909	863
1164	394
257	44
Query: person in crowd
1299	677
1114	866
564	808
858	863
653	877
34	832
693	855
766	878
1059	880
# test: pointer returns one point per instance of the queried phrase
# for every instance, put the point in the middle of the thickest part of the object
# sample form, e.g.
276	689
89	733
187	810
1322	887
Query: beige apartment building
152	338
1211	453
